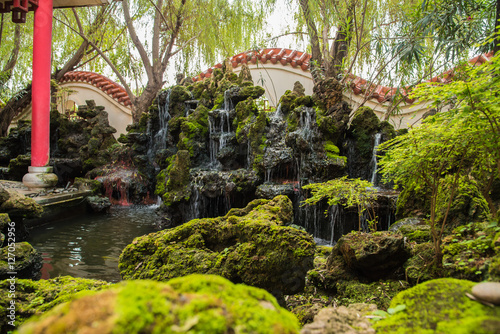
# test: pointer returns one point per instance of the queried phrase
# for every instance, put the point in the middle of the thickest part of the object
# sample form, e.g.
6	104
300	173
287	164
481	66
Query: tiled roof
108	86
301	59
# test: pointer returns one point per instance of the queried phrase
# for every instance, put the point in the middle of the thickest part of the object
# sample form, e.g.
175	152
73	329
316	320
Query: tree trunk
340	46
316	58
13	107
144	101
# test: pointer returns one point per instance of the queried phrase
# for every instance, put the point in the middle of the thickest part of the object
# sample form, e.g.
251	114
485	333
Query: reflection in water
89	246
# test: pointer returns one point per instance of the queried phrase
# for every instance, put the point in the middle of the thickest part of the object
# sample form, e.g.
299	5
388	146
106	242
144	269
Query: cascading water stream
376	143
164	117
220	131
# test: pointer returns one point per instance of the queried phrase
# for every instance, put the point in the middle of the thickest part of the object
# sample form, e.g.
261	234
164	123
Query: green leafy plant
381	314
347	193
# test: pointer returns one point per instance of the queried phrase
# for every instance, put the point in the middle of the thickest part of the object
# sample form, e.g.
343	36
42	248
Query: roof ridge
108	86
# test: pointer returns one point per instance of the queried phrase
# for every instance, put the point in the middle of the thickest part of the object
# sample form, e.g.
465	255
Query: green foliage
346	192
454	153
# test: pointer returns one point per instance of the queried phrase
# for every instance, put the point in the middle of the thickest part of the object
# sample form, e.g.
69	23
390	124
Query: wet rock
346	320
375	255
440	306
488	292
98	204
122	184
272	190
36	297
194	304
246	245
411	221
28	261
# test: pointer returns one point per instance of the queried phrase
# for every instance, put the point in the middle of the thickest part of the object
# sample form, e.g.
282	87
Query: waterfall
164	117
195	201
307	119
220	132
376	143
335	217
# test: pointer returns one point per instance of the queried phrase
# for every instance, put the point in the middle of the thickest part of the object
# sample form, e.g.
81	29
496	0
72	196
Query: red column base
40	178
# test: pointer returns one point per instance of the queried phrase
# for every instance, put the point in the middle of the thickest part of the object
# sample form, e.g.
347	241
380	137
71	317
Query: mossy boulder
192	304
251	249
36	297
21	258
278	210
18	205
375	255
440	306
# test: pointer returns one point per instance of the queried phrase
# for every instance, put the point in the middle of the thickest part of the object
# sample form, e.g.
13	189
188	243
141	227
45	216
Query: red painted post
42	51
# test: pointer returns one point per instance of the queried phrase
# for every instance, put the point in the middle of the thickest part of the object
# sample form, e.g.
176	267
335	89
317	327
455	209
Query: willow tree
159	30
70	52
344	34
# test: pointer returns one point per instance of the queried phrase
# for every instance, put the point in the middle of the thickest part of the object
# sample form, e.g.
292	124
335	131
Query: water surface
89	246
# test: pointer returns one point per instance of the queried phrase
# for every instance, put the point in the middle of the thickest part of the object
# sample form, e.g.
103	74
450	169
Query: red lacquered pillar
40	174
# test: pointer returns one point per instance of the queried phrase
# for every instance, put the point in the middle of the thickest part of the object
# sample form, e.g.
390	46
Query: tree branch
136	40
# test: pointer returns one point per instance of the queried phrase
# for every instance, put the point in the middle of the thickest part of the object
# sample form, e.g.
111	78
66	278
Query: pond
89	246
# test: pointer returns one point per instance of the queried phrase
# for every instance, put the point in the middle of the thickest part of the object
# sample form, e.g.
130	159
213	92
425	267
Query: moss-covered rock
21	258
375	255
18	205
36	297
194	304
88	184
19	166
440	306
249	249
173	183
278	210
416	233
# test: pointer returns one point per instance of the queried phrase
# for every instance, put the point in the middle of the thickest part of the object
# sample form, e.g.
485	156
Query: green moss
416	233
173	183
257	138
440	306
328	127
467	248
420	266
243	247
194	304
332	152
378	293
253	92
36	297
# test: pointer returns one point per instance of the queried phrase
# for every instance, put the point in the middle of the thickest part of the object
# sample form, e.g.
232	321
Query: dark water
89	246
